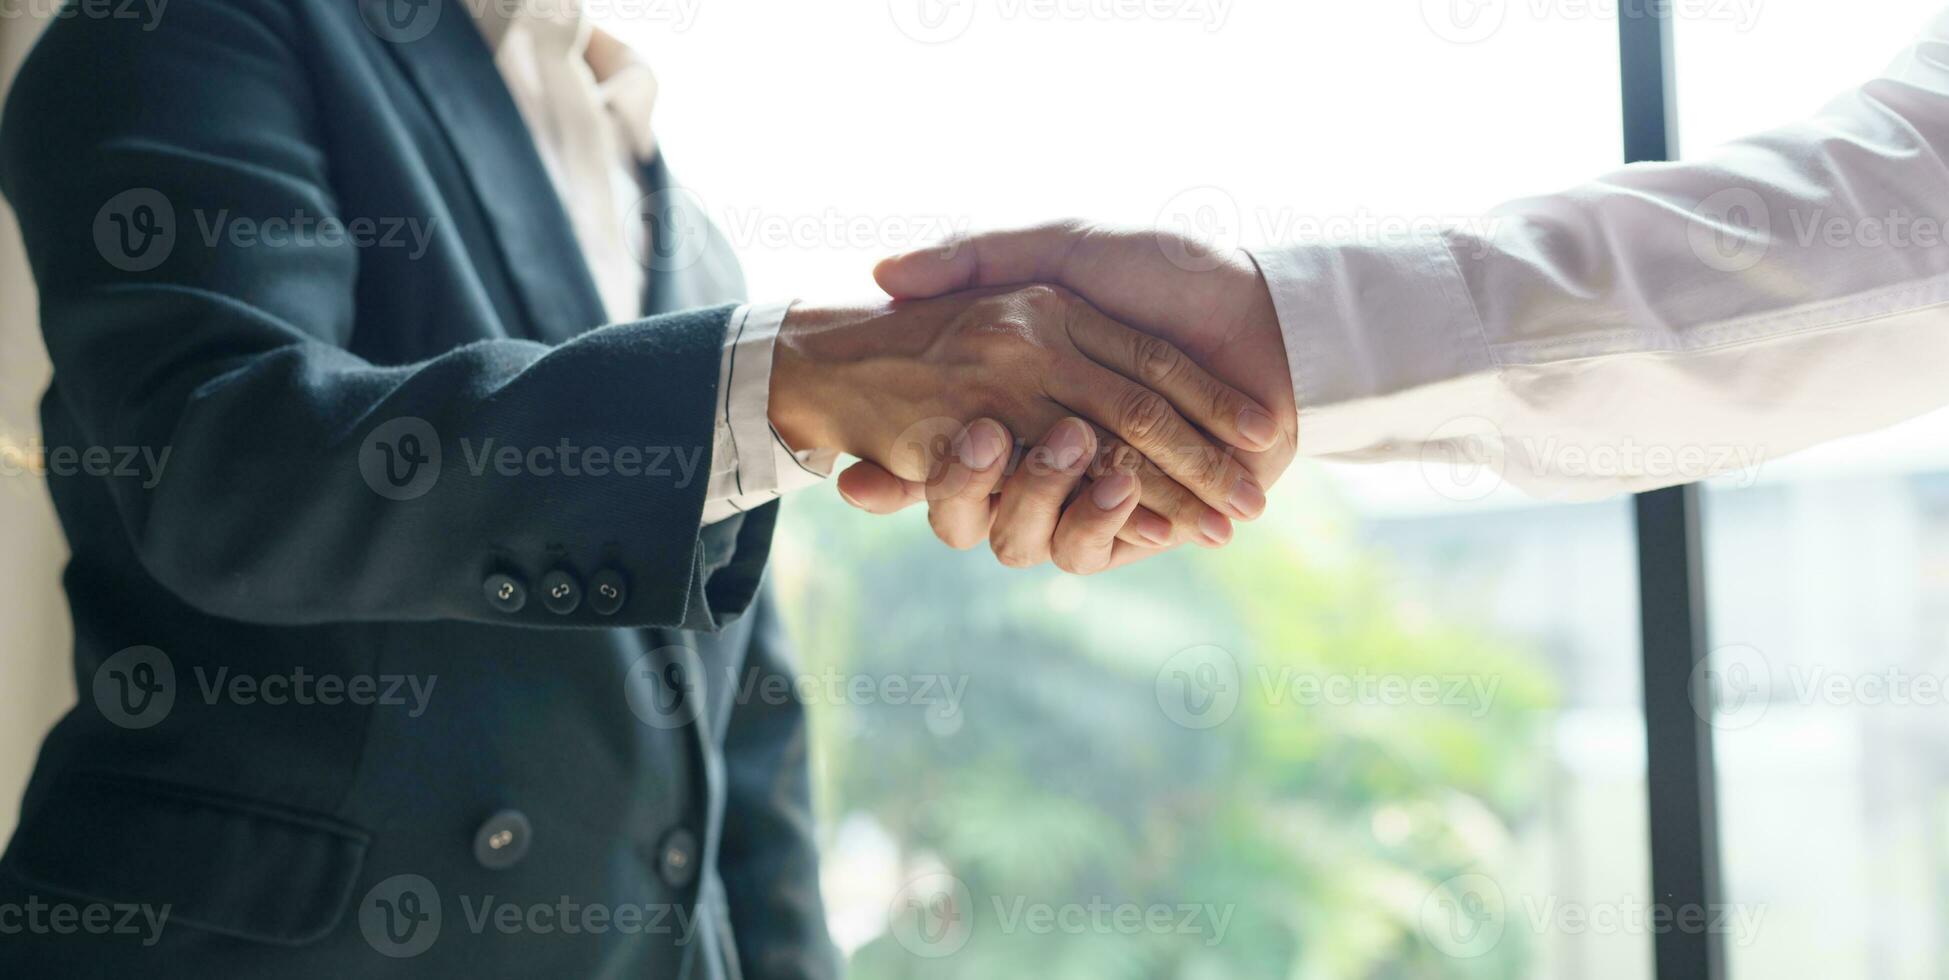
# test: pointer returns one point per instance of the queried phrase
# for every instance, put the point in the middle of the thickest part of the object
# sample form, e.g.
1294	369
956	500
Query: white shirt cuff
750	464
1382	340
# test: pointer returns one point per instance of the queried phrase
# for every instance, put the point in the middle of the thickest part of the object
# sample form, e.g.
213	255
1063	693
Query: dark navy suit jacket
361	695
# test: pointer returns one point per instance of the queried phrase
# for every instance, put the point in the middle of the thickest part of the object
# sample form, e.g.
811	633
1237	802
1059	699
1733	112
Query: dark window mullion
1680	783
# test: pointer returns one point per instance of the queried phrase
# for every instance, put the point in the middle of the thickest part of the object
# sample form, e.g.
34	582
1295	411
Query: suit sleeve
304	484
769	860
1658	325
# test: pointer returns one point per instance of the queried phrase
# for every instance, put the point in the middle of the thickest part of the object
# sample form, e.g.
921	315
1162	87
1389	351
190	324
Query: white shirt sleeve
750	463
1655	326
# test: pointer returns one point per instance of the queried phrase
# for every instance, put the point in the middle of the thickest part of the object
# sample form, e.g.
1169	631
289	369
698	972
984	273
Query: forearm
1720	309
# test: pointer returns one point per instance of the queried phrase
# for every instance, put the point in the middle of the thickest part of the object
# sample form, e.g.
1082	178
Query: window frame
1681	786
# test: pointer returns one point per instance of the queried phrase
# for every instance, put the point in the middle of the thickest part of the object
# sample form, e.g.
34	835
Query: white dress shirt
593	135
1656	325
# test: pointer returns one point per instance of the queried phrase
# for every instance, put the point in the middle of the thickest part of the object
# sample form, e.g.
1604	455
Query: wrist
809	403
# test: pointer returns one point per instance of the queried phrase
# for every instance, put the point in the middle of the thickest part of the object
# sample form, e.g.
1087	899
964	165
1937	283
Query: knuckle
1157	361
945	529
1223	403
1014	555
1142	413
1167	499
1204	465
1041	299
1074	563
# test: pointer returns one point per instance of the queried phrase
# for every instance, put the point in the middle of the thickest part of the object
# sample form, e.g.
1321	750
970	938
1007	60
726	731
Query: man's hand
898	384
1212	306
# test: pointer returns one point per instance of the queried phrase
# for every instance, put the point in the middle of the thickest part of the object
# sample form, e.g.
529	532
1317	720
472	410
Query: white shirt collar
554	22
562	29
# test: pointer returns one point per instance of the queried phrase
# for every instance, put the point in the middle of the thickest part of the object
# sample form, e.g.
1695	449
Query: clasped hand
1137	446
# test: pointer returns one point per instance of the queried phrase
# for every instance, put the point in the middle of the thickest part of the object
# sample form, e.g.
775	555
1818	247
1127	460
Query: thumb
995	258
933	271
871	488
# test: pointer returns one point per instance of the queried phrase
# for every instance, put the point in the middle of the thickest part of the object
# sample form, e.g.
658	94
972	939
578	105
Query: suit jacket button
676	859
560	592
505	592
607	592
503	840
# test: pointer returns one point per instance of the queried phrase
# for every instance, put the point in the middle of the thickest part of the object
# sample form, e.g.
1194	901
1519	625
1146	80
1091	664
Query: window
1219	765
1829	586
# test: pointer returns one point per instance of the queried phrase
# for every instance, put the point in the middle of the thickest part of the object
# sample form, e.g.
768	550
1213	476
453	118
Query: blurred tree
1311	834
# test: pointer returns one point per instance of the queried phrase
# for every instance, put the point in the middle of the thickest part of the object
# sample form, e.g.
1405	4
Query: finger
1032	498
871	488
1170	513
1126	553
1087	534
1145	419
961	516
998	258
1146	527
1155	363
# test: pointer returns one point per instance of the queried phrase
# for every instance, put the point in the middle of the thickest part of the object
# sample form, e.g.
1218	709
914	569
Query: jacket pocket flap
243	868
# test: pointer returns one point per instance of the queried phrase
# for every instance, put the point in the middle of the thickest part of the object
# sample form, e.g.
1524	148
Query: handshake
1148	369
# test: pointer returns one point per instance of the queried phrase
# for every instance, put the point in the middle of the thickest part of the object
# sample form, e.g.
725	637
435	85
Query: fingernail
981	445
1216	529
1111	491
1258	429
1068	444
1151	528
849	498
1247	500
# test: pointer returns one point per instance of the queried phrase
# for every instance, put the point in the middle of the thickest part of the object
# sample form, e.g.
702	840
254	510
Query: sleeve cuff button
560	592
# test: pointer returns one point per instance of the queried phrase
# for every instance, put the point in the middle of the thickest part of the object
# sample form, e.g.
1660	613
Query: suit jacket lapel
455	73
